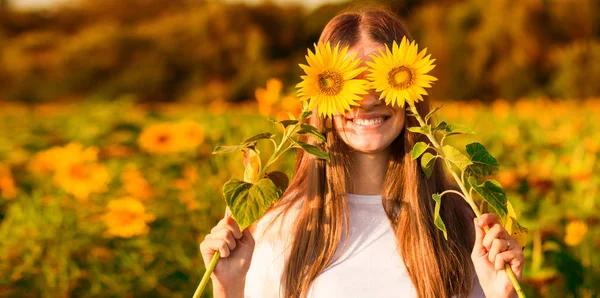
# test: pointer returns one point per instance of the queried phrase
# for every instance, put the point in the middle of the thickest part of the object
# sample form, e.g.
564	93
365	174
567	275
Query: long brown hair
437	268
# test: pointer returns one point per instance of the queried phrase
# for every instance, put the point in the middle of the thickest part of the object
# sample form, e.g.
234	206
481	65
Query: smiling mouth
369	122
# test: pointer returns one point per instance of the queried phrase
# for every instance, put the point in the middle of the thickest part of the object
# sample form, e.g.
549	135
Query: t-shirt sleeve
258	279
263	277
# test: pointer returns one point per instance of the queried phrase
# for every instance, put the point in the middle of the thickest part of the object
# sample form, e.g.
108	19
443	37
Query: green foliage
491	191
439	223
483	163
456	157
258	137
313	150
430	114
424	130
248	202
418	149
427	163
311	130
453	129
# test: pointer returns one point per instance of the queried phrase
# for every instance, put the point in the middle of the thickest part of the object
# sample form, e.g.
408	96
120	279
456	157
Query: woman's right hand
236	248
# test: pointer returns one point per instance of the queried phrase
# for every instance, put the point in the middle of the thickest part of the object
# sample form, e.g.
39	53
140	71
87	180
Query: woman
361	225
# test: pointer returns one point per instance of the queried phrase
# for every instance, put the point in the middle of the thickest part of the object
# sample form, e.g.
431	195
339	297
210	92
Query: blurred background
109	112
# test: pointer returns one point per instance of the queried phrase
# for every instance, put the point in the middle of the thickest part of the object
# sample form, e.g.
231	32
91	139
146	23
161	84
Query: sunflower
127	217
575	231
82	179
330	81
192	134
160	138
401	74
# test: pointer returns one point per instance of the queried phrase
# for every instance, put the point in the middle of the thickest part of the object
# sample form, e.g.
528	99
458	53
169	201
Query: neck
369	172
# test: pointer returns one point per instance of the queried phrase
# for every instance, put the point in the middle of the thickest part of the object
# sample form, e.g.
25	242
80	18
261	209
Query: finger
230	224
247	238
210	246
478	248
224	234
498	246
496	231
514	258
490	219
227	212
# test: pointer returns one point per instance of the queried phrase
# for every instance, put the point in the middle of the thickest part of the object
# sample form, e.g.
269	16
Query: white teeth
368	122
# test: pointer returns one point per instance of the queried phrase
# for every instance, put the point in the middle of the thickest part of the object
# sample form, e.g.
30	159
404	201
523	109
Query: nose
370	100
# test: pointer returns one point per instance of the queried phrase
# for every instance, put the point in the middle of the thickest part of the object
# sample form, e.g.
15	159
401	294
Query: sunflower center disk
401	77
330	82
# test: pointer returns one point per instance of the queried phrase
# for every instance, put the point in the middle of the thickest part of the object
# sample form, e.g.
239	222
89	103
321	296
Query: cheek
339	126
399	123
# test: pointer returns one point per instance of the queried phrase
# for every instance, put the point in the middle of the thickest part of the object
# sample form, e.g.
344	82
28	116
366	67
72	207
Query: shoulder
276	224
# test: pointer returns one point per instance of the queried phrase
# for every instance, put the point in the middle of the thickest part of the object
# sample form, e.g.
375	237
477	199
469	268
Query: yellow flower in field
400	74
290	104
160	138
268	97
75	153
44	162
126	217
192	133
575	231
74	168
135	184
82	179
8	190
330	81
48	161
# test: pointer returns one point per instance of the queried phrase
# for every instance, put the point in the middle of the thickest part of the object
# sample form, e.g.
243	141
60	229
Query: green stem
467	196
278	150
206	276
454	192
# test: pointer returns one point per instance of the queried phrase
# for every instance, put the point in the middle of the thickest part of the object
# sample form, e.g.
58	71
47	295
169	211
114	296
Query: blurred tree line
199	51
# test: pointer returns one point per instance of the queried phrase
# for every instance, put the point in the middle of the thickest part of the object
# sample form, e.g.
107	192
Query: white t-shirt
370	266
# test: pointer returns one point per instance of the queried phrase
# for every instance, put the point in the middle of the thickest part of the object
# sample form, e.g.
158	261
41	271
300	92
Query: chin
368	146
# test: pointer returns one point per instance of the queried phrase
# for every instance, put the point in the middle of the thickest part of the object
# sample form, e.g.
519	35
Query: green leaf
292	117
305	115
454	129
228	149
309	129
427	163
248	202
287	123
441	126
280	179
491	191
439	223
432	112
421	129
314	150
419	149
260	136
484	164
456	157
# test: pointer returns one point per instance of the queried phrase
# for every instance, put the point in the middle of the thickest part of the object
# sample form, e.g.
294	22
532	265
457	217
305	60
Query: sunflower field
112	199
110	111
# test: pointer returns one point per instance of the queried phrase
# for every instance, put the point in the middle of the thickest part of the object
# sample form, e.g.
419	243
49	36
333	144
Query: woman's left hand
490	252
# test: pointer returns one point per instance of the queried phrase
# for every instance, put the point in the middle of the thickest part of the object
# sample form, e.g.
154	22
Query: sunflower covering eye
330	81
400	74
